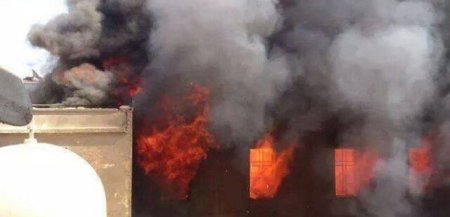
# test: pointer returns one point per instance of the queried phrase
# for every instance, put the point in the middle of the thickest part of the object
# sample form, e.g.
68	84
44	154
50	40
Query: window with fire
354	170
261	162
345	174
268	169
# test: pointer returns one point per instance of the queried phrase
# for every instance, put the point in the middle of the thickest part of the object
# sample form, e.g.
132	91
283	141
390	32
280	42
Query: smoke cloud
89	85
375	68
374	64
106	34
72	35
229	52
388	197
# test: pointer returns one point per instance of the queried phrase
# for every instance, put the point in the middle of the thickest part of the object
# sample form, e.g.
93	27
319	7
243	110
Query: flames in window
420	168
353	171
345	172
267	168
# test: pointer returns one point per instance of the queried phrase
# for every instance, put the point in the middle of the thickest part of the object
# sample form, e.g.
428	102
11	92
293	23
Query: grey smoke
387	72
376	60
92	28
442	161
72	35
224	43
376	64
125	23
91	31
389	196
89	86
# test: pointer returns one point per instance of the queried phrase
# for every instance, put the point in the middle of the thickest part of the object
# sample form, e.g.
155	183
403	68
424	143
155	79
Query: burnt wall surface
309	188
221	187
219	190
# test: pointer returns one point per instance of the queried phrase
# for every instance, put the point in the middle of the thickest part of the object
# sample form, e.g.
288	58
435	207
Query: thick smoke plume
228	52
73	35
90	86
106	34
377	61
378	69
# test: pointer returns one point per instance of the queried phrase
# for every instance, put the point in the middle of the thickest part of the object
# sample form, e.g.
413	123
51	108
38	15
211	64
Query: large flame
171	148
268	168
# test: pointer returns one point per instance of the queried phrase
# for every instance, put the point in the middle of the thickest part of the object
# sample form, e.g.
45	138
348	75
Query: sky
16	18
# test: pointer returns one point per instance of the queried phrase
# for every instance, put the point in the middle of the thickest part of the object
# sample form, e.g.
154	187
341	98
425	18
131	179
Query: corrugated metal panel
102	136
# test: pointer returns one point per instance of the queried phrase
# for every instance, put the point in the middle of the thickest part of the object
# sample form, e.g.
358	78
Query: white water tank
43	180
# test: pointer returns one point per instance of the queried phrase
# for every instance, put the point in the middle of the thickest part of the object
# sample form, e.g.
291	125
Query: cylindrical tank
43	180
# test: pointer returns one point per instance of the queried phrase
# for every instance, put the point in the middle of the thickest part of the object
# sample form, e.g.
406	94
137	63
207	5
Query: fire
267	168
128	82
365	164
132	87
115	61
345	179
353	171
171	148
419	157
420	169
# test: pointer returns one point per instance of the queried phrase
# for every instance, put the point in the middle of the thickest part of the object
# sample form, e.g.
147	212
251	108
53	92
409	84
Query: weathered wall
101	136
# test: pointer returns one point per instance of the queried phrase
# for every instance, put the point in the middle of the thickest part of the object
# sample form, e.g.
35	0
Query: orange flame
267	168
173	154
126	78
345	172
420	169
353	171
419	157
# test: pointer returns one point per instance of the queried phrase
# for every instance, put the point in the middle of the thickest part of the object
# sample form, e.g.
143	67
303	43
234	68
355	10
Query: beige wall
101	136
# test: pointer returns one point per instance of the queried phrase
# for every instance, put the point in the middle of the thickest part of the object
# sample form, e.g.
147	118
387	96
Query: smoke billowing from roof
379	66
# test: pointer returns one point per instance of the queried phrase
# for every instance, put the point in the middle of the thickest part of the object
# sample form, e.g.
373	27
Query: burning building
266	107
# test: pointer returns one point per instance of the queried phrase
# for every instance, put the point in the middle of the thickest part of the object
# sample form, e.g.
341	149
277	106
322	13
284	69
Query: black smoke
378	69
